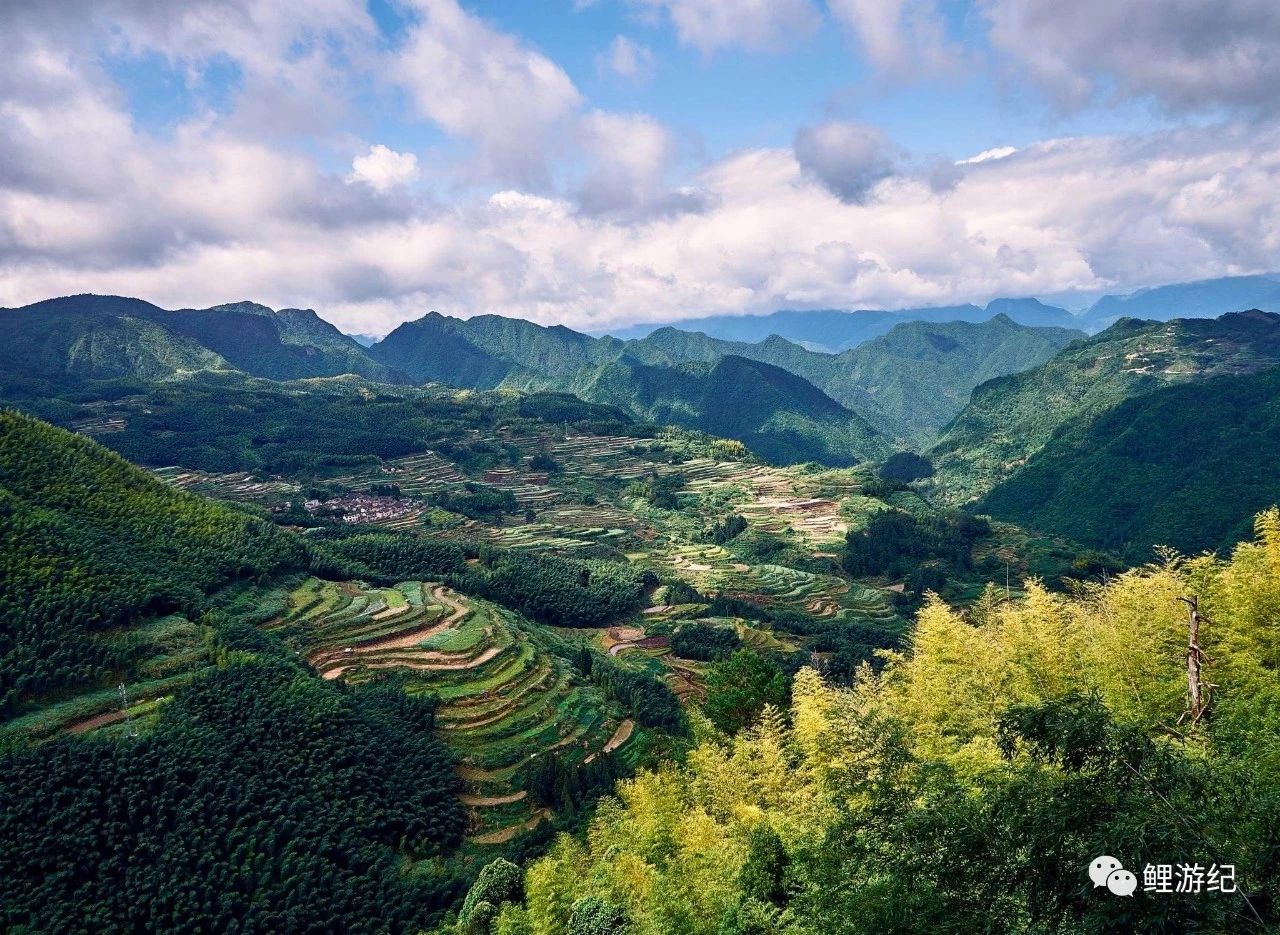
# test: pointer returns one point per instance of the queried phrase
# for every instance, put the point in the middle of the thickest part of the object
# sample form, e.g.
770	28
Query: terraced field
714	570
504	699
573	528
614	457
237	486
416	475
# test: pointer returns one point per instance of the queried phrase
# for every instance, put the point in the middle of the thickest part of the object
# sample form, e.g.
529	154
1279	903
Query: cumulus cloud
485	86
848	158
760	25
901	38
211	210
1186	54
227	218
627	59
629	155
383	168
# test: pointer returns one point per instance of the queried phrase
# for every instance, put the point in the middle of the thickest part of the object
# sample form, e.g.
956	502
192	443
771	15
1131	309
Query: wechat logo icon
1107	871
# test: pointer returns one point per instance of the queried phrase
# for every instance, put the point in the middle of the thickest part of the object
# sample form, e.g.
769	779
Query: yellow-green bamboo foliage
672	846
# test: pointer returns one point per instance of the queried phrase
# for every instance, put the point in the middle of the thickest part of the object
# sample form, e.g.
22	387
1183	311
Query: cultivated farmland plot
504	700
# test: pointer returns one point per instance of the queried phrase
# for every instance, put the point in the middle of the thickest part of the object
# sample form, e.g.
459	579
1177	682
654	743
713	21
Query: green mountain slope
93	543
908	383
479	352
1010	418
98	337
1209	448
776	414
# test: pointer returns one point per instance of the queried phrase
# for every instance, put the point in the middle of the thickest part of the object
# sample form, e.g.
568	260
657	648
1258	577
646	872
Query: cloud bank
569	213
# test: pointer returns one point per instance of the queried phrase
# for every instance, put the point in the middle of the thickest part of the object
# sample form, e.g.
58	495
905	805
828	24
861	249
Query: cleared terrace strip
481	801
415	661
469	717
523	719
620	736
413	474
503	835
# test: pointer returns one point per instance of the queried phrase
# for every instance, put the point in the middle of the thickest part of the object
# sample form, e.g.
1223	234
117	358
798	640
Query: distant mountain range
834	330
839	329
898	381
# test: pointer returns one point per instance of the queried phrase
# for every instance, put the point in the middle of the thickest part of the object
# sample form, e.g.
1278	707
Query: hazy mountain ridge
1206	298
835	330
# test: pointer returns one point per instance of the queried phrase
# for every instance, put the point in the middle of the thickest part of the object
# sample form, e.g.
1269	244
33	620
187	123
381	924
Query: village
357	508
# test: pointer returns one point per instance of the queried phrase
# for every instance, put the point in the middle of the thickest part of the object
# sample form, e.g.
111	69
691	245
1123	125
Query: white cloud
1000	152
485	86
212	211
627	59
628	159
760	25
384	168
227	217
901	38
1186	54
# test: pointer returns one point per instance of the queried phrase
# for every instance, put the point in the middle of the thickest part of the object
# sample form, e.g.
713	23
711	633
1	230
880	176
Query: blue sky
596	162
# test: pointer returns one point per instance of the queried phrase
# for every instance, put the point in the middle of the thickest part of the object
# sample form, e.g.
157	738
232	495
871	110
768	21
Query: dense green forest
92	543
1210	448
263	800
1010	418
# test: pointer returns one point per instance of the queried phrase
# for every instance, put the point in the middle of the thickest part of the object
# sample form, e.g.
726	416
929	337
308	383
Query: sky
596	163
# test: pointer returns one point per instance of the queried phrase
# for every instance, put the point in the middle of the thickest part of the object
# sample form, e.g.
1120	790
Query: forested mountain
776	414
92	543
1010	418
96	337
1209	449
833	330
908	383
480	352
